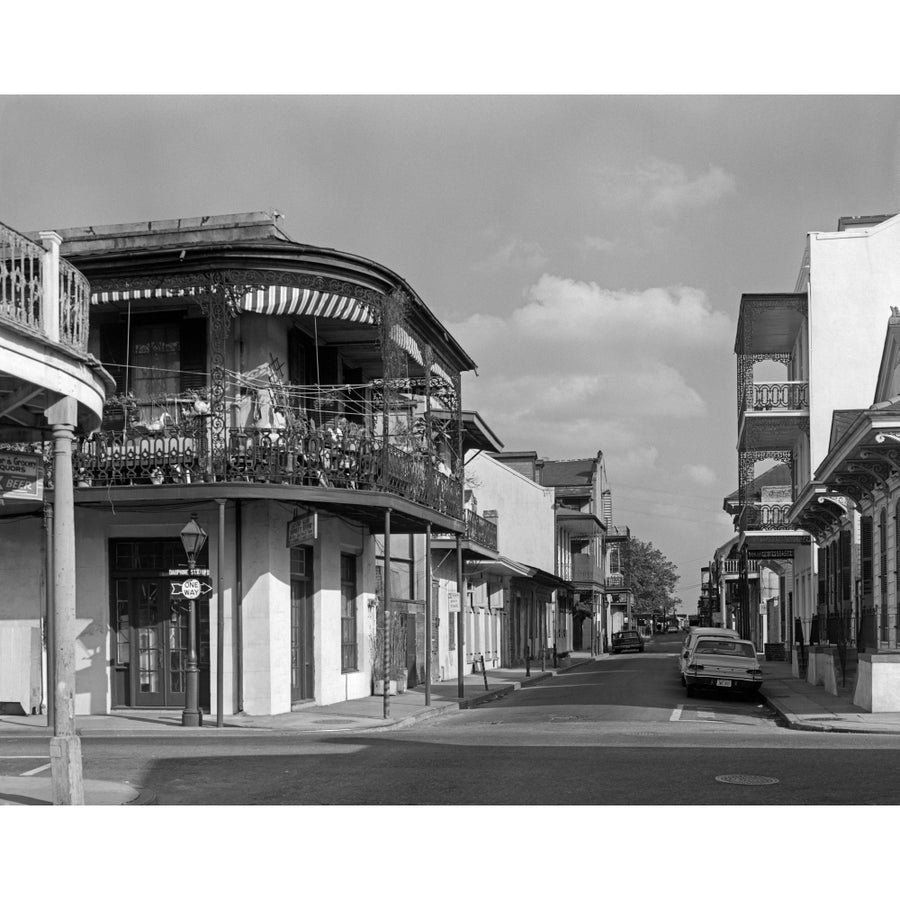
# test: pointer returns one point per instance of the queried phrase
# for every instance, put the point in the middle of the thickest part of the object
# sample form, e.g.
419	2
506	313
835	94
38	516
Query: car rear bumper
716	682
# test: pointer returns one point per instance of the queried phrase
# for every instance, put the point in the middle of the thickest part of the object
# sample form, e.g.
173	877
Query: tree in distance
652	579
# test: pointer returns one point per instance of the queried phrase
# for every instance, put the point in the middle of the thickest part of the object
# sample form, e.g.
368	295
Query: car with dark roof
627	640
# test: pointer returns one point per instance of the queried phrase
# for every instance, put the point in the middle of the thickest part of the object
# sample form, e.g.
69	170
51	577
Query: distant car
672	629
694	634
722	663
627	640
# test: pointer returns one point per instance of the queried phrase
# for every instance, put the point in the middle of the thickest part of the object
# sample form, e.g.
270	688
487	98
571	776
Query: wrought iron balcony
776	396
759	516
28	301
184	454
481	530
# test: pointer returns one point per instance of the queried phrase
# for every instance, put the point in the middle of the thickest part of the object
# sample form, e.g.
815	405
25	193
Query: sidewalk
362	714
809	707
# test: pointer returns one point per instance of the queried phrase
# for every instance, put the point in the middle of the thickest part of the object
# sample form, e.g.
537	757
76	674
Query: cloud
514	254
592	244
561	310
700	474
662	187
578	368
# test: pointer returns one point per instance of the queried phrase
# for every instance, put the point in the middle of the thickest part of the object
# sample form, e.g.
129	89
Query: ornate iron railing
74	303
764	517
478	530
21	285
182	454
764	396
481	530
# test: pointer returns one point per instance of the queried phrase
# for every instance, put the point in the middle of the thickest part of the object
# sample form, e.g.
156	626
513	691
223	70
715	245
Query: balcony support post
50	284
65	745
460	623
429	612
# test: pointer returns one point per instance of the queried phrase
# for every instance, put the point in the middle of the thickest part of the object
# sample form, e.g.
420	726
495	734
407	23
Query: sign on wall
303	529
770	554
21	476
453	600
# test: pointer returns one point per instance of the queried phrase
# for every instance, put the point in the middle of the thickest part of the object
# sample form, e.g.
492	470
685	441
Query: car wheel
640	649
689	690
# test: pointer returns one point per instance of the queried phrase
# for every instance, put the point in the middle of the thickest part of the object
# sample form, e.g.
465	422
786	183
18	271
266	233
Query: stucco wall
855	279
526	517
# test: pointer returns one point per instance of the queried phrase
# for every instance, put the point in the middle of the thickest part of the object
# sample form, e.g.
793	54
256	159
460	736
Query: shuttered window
865	559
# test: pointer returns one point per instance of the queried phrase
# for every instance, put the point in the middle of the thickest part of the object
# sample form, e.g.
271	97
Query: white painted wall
854	281
526	518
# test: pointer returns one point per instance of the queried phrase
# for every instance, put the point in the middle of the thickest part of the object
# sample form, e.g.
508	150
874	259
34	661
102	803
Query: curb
144	798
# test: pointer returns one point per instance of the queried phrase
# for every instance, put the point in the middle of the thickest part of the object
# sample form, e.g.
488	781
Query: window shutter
845	588
865	554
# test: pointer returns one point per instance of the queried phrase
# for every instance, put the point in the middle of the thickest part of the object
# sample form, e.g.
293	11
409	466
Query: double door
150	639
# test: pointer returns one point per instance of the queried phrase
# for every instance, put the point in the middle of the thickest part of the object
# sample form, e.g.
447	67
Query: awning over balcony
284	300
274	300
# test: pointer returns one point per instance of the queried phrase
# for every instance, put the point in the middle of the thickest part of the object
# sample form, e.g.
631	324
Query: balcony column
50	284
65	745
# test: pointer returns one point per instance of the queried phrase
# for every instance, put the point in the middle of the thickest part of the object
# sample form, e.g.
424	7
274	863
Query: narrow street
615	731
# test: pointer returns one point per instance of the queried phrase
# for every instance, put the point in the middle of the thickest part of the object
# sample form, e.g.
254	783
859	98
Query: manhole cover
746	779
563	718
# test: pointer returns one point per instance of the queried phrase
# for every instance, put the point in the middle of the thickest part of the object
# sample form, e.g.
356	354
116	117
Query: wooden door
302	636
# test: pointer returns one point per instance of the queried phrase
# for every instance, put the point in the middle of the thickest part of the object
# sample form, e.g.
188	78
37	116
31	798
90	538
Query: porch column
460	624
429	612
65	745
386	618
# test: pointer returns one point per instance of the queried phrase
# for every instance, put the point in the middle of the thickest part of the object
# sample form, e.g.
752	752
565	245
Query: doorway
302	635
149	623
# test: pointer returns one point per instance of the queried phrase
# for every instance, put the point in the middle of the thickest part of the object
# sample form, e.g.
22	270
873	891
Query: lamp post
193	537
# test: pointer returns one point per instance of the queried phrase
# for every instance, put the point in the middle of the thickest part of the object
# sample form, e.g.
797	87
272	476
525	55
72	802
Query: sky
589	252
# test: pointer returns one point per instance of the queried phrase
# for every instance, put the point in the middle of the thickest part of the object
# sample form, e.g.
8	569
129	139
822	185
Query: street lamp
193	537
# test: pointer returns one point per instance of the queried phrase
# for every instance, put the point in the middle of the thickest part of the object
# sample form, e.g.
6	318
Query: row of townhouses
812	572
240	467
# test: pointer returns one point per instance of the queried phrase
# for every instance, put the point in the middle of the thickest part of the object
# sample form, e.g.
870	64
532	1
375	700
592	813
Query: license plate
723	682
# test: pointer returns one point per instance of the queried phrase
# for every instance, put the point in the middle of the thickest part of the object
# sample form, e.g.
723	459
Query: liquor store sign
21	476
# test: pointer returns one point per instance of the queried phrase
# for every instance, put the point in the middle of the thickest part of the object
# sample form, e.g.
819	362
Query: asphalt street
619	731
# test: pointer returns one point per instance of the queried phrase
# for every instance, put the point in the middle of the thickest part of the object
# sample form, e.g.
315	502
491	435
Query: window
865	556
349	646
155	356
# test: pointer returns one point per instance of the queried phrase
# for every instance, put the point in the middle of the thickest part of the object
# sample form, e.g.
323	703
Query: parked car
672	629
627	640
694	634
722	663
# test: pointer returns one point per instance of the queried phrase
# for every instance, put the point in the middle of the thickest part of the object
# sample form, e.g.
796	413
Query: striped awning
274	300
